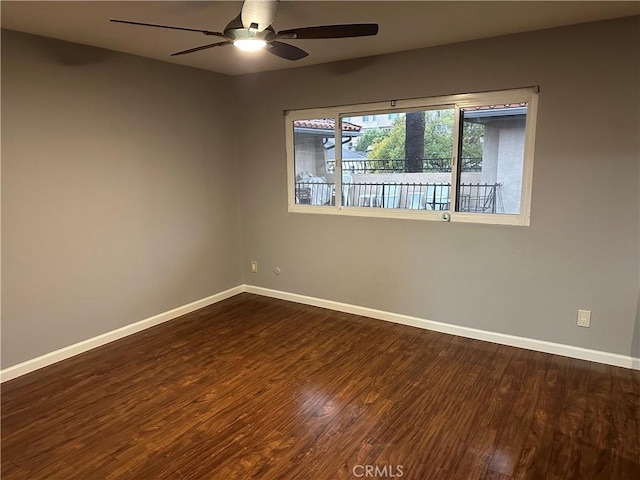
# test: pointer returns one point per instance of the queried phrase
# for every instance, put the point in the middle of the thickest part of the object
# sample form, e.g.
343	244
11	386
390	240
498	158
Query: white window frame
456	102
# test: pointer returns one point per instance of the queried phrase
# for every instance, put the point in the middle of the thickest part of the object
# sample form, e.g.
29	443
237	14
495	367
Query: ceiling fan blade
258	14
284	50
187	29
331	31
203	47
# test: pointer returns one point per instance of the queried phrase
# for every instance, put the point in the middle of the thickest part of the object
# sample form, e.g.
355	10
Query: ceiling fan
252	30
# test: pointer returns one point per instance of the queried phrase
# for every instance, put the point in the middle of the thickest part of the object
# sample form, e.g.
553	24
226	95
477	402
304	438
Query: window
464	158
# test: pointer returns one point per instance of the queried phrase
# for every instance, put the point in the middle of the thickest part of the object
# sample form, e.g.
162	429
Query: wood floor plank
624	423
536	453
514	429
259	388
564	462
597	437
491	475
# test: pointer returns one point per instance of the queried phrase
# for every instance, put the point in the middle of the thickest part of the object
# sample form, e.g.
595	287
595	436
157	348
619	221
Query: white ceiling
403	26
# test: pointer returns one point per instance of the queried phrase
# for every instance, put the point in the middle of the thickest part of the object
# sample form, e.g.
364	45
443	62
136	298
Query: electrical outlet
584	318
254	266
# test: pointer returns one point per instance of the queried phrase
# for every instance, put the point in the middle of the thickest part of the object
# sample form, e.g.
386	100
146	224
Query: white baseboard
501	338
80	347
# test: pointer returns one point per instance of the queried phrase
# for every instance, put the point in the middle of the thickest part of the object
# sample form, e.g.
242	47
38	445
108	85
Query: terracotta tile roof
326	124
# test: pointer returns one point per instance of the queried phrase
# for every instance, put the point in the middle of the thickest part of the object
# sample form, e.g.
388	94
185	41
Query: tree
438	141
472	134
391	146
369	138
414	141
438	135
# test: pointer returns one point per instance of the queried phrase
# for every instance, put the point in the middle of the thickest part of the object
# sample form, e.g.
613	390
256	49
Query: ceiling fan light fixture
252	30
250	44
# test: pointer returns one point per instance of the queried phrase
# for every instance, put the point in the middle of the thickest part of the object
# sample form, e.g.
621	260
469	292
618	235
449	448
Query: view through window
467	157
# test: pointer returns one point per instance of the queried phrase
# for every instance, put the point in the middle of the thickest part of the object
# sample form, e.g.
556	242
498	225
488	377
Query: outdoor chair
437	197
389	196
347	181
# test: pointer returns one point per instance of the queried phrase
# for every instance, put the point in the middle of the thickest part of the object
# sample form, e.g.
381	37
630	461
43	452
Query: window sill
421	215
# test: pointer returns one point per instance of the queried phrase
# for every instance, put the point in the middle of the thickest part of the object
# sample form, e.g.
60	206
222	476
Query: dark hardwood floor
261	388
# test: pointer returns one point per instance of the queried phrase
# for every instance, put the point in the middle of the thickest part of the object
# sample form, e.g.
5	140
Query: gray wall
582	248
119	191
122	195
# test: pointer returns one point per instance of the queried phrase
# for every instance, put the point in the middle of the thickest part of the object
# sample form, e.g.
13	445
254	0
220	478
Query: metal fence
472	197
429	165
